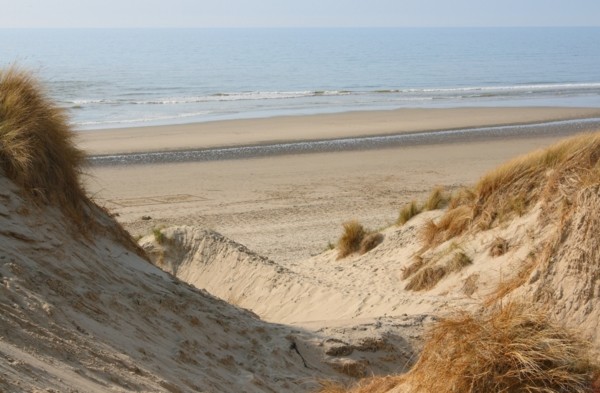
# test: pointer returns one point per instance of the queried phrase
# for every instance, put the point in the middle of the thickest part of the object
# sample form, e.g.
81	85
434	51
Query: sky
298	13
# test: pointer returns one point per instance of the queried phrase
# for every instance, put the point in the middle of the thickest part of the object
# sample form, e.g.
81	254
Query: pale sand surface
289	207
82	314
314	127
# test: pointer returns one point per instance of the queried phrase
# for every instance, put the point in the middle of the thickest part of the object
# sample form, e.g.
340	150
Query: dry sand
289	207
84	314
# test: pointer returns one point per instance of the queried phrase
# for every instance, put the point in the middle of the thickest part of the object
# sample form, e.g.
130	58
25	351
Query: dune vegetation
510	349
407	212
500	345
550	179
37	151
356	239
513	347
438	199
550	176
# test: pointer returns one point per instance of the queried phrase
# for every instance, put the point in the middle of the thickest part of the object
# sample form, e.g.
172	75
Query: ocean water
133	77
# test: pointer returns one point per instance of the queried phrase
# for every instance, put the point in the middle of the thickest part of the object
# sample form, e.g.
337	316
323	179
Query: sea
108	78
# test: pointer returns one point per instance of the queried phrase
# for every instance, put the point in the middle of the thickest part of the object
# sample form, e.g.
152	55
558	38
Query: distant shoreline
545	129
331	132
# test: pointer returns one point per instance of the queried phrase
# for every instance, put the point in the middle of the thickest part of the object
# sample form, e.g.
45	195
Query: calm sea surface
121	77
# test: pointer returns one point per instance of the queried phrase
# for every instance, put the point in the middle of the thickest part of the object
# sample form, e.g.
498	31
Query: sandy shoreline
289	207
313	128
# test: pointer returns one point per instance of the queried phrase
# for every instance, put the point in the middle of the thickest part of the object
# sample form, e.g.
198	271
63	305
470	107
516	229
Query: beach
291	206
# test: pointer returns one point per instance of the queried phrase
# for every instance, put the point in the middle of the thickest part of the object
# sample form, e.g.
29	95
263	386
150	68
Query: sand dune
526	232
93	316
318	291
498	291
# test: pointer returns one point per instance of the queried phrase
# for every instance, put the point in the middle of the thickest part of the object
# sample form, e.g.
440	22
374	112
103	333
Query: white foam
143	119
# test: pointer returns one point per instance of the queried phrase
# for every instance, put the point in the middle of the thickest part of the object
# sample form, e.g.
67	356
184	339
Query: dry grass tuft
414	267
407	212
357	239
429	233
537	176
464	196
437	199
369	242
511	349
547	176
351	239
498	247
455	222
459	262
426	278
37	151
452	224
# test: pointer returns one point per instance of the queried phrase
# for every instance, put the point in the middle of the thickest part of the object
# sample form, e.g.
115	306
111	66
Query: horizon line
291	27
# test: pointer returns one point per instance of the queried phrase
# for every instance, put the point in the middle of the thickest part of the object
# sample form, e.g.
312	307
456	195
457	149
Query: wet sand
546	129
285	129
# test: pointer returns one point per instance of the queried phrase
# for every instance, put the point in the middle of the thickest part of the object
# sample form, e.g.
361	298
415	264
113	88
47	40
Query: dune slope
91	315
525	233
82	310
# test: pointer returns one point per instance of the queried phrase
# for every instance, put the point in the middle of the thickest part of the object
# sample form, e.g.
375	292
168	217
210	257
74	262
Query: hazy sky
297	13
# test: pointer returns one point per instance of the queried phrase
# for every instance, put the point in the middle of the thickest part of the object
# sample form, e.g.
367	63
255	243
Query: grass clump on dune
464	196
158	234
416	265
515	187
37	151
39	155
459	261
437	199
453	223
357	239
426	277
350	241
407	212
511	349
498	247
522	182
369	242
